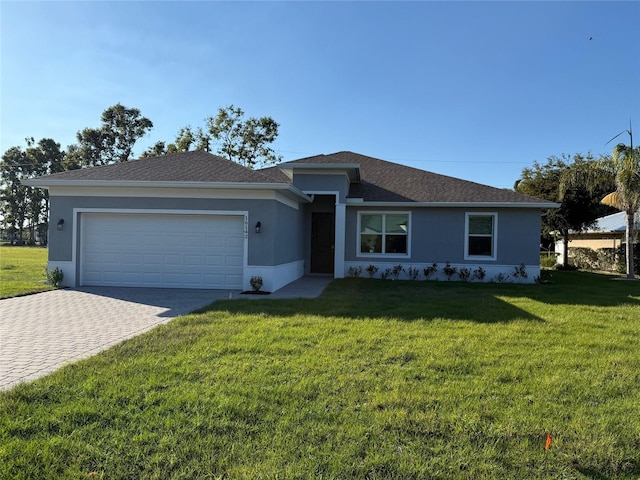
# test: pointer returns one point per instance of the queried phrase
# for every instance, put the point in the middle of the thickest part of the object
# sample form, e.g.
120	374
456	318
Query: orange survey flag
549	441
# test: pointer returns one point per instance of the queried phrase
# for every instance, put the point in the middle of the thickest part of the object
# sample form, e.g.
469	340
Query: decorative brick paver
42	332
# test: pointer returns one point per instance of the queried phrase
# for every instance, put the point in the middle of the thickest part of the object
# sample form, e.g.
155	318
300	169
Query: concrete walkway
40	333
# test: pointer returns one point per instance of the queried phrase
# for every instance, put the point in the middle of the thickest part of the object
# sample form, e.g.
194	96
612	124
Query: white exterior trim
494	237
340	242
77	269
156	192
361	203
274	277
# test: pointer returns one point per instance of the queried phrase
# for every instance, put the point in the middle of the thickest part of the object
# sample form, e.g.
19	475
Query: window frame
383	254
494	236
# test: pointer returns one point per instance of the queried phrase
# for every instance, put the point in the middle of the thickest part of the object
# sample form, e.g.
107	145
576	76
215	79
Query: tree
13	195
622	170
43	158
155	150
185	140
27	207
113	141
244	141
579	207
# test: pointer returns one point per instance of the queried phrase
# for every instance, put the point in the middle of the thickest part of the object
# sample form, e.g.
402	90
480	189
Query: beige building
609	232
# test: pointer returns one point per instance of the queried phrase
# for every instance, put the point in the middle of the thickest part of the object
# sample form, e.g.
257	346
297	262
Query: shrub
256	282
372	270
464	273
355	271
479	273
548	261
396	271
449	271
414	273
429	271
501	278
520	272
584	258
386	274
55	277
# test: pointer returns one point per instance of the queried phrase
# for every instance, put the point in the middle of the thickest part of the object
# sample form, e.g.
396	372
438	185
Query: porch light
60	225
258	227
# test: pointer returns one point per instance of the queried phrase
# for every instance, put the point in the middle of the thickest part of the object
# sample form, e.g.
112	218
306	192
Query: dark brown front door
322	238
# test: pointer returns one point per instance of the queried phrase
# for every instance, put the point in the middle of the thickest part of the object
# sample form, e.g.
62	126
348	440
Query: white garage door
159	250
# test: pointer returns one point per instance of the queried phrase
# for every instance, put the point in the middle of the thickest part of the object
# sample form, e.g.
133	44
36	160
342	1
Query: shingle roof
383	181
176	167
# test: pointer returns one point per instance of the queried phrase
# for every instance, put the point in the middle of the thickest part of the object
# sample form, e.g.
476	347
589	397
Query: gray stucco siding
323	183
438	235
288	235
269	247
519	236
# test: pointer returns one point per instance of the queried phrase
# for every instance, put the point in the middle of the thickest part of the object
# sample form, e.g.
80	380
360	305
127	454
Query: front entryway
322	242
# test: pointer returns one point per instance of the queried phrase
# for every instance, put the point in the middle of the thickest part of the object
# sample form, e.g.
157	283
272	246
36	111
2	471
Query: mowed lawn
22	270
374	379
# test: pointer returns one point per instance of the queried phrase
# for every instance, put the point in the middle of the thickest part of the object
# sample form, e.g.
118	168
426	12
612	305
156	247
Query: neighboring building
195	220
608	232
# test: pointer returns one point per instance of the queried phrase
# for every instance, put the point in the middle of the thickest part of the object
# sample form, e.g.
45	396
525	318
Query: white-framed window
481	236
384	233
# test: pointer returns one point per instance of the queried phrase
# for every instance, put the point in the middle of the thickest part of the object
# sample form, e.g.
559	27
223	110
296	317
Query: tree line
24	210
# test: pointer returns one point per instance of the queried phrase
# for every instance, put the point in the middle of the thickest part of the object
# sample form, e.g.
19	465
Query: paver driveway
39	333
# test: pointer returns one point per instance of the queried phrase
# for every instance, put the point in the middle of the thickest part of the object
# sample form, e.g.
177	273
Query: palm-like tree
626	166
623	167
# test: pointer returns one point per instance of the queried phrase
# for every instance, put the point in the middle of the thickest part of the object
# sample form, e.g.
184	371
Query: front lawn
22	270
374	379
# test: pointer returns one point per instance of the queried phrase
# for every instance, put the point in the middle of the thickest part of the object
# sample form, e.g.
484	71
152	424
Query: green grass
374	379
22	270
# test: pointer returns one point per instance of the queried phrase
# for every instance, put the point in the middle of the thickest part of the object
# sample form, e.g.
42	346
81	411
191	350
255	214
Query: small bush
256	282
429	271
414	273
479	273
396	271
355	272
520	272
449	271
386	274
548	261
464	274
372	270
500	278
55	277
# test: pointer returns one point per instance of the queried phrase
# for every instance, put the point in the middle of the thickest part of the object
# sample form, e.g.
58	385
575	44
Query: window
384	233
481	235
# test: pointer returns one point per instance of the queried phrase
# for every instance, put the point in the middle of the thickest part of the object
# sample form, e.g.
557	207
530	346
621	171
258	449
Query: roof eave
284	188
536	205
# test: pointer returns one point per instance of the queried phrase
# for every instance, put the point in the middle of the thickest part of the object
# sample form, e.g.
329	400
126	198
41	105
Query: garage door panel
233	260
213	241
190	251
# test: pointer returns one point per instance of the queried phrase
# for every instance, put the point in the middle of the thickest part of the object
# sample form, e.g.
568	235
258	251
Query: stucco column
339	249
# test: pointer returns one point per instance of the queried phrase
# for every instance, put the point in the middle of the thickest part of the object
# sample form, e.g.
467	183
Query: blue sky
475	90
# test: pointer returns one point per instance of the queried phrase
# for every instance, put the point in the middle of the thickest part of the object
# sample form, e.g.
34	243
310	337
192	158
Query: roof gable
383	181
